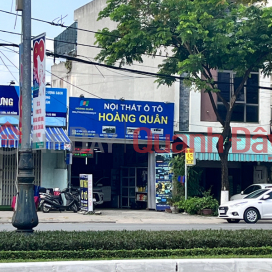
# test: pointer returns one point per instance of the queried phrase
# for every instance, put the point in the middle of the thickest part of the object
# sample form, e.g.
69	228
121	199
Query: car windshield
257	193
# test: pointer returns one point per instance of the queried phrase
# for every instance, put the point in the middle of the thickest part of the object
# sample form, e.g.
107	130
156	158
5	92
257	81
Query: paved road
114	226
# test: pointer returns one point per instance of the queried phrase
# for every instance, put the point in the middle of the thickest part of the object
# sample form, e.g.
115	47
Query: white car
250	189
255	206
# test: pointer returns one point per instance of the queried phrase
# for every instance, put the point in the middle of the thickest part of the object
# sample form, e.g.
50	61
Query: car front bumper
230	212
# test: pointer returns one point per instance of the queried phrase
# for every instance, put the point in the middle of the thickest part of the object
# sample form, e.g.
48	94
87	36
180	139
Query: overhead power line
48	53
108	99
81	29
9	70
81	44
62	25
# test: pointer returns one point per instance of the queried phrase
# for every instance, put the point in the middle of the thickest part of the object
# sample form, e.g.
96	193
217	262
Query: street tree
197	37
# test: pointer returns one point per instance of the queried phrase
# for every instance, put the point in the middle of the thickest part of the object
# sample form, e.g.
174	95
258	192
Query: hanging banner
163	180
90	193
86	192
39	138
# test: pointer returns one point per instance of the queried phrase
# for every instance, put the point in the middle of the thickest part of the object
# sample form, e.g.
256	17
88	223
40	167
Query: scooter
55	202
97	195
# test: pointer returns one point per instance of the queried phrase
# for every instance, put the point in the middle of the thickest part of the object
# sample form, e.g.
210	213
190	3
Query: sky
49	10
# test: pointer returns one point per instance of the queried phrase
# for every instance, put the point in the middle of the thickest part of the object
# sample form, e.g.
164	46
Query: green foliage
180	203
195	204
174	200
68	65
198	35
208	202
56	241
194	176
135	253
192	205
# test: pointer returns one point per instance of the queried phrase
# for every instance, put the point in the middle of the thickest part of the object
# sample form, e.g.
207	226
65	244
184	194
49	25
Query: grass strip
133	254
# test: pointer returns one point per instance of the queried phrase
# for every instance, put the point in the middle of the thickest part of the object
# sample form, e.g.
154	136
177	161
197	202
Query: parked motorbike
50	202
97	195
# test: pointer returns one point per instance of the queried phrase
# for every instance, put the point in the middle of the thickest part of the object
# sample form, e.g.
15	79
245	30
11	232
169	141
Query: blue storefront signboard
9	101
91	117
56	105
56	102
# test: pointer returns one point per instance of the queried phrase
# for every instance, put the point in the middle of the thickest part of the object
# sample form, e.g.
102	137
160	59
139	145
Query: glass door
128	184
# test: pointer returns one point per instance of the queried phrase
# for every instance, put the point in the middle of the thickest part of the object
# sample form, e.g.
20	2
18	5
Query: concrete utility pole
25	217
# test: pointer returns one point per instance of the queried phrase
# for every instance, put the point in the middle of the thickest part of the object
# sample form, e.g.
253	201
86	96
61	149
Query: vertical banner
90	193
83	182
39	49
20	94
86	192
163	180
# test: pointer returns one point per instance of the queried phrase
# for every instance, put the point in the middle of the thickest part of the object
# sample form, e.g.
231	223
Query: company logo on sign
84	103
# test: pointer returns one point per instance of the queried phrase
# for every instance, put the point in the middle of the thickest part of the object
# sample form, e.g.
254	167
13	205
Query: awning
252	148
9	136
56	138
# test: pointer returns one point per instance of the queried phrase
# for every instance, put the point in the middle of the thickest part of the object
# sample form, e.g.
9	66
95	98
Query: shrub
192	205
132	240
196	204
180	203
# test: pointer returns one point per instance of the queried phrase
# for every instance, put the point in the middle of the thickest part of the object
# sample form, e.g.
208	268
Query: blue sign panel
9	104
56	105
9	100
56	102
91	117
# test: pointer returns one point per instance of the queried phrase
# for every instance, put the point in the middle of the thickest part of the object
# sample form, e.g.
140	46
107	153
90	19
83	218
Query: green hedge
132	240
122	254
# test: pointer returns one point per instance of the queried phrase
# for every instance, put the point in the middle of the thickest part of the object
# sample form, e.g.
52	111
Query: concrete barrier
157	265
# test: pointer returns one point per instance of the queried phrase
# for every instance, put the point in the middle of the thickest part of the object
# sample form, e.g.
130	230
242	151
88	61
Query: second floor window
247	104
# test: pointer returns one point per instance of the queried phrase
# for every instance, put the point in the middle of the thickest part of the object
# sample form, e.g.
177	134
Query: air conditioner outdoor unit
19	5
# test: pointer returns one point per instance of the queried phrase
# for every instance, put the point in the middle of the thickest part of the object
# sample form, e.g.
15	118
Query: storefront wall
241	175
123	175
54	169
8	173
151	181
127	130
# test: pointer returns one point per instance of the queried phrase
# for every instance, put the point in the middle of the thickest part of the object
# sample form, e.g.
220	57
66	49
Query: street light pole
25	217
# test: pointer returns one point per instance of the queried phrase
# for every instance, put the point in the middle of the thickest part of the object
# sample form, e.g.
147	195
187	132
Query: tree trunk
224	180
224	174
223	147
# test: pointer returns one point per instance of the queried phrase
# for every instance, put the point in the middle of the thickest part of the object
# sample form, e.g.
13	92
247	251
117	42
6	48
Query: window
247	104
270	195
257	193
249	190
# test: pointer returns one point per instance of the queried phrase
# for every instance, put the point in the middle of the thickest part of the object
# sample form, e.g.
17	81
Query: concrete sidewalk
118	216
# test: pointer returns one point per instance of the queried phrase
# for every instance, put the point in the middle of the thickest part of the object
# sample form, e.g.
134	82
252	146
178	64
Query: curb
67	222
162	265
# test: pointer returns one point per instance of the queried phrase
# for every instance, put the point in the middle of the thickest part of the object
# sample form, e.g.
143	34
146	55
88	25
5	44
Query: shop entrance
134	187
120	174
